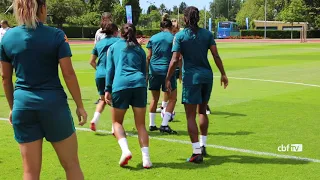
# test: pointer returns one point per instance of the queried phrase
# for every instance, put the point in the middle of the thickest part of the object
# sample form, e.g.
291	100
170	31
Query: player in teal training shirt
158	60
110	31
193	44
126	85
38	103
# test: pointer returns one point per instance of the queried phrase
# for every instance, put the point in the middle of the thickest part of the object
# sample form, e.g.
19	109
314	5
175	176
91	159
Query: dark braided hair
128	32
191	18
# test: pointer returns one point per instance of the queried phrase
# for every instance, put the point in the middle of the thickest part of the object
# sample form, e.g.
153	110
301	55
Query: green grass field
252	114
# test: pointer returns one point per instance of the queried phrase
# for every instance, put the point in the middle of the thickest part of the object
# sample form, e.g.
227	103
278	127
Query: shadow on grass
227	114
220	160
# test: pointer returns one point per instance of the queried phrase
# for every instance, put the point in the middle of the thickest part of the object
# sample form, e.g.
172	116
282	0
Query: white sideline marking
253	79
275	81
212	146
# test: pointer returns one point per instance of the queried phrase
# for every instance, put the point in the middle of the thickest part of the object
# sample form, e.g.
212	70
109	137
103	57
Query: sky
170	3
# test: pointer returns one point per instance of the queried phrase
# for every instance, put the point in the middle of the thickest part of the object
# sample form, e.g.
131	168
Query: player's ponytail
128	32
26	12
166	22
191	18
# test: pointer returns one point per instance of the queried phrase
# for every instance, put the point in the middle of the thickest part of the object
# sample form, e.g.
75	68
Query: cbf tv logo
291	147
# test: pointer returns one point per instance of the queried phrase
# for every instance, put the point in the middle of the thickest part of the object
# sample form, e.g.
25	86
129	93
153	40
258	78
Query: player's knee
70	164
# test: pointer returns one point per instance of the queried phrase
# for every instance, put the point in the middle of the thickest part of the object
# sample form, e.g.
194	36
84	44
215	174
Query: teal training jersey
100	50
35	54
161	46
194	49
126	67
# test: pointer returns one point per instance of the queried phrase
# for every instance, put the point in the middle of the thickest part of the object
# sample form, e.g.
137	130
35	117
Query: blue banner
210	24
247	23
129	14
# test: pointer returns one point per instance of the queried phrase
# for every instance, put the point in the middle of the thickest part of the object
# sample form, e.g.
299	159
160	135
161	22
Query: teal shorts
54	123
196	94
101	85
157	82
136	97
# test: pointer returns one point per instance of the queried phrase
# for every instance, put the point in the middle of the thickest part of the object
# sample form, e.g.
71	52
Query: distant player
126	85
39	106
158	60
100	51
4	28
106	18
193	44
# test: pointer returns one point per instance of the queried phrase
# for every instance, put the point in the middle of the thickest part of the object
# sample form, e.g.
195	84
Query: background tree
175	10
118	14
4	5
295	12
154	19
182	7
204	19
136	10
62	9
151	8
87	19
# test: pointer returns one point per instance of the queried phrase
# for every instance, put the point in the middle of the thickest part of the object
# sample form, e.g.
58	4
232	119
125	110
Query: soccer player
193	44
106	18
100	51
158	60
40	108
174	30
126	85
4	28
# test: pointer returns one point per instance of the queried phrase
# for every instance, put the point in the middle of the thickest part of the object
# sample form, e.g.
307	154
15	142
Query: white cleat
125	159
147	164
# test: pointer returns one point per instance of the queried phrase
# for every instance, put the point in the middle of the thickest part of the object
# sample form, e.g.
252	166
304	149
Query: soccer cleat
93	126
203	151
147	164
195	158
167	129
153	128
159	109
125	159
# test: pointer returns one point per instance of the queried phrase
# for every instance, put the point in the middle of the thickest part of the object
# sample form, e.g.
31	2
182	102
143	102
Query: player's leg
164	103
206	90
154	87
67	151
191	97
139	102
204	124
153	106
29	135
120	103
100	83
31	158
167	112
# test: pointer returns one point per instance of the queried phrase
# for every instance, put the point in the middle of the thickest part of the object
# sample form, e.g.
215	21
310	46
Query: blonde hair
26	12
175	23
